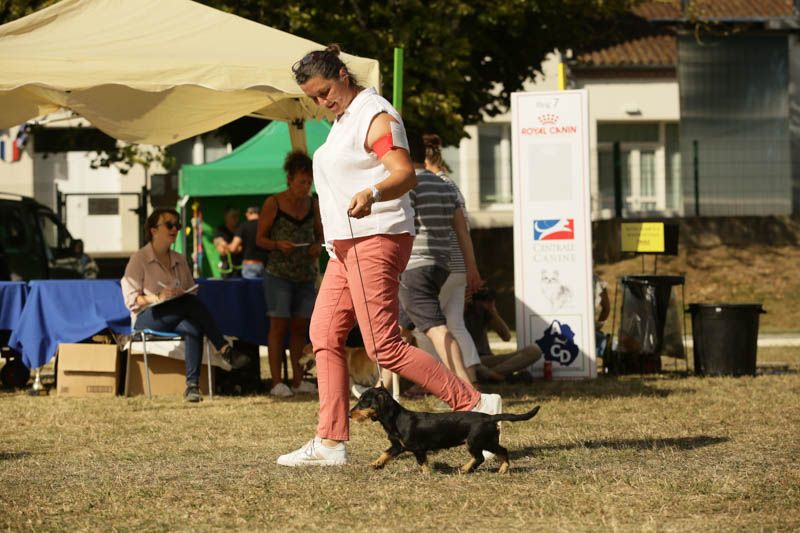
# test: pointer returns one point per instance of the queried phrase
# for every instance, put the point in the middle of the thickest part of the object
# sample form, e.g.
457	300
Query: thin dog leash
366	305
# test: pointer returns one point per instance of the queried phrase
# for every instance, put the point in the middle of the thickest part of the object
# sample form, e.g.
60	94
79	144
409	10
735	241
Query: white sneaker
281	390
314	453
305	387
490	404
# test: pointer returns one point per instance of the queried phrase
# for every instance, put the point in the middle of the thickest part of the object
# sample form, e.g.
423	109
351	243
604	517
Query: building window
103	206
494	161
649	164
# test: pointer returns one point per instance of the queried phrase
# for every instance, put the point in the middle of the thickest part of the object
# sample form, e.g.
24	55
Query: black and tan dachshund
420	433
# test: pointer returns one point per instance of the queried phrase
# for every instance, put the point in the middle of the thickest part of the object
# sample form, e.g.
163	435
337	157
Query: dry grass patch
726	274
655	453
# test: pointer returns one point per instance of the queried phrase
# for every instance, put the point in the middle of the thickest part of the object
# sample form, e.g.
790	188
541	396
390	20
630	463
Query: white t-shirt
343	167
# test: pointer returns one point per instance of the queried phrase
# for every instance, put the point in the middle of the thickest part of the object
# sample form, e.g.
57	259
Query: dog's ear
386	401
381	396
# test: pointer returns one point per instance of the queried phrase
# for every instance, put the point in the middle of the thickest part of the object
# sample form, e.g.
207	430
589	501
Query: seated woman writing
155	274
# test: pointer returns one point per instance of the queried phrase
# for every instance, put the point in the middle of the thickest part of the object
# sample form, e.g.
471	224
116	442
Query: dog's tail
512	417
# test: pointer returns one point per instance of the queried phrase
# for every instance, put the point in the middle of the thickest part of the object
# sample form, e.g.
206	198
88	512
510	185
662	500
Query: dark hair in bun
433	151
324	63
297	162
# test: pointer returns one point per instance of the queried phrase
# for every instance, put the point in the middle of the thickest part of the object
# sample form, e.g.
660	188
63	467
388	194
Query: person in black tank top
290	228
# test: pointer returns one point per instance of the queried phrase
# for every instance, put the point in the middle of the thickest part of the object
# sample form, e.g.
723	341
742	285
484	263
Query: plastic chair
155	336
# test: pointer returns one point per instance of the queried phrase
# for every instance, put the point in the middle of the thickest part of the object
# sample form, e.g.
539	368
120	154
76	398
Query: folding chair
152	335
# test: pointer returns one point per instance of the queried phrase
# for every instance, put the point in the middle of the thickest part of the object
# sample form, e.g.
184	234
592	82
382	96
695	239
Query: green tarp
243	178
254	168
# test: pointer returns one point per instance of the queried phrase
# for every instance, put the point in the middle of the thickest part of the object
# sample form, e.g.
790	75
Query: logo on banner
556	229
548	118
558	344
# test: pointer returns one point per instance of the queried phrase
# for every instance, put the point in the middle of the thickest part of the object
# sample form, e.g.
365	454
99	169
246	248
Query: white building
97	203
633	99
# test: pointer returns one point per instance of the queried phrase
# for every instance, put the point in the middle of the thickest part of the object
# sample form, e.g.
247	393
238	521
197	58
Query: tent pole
397	93
297	135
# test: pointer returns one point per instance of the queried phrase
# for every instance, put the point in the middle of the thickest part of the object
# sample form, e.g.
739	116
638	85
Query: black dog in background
420	433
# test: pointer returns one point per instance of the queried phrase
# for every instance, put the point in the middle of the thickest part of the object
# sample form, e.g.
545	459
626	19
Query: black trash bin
725	338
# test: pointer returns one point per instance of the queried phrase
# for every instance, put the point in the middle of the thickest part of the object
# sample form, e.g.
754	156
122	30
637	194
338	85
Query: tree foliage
14	9
463	58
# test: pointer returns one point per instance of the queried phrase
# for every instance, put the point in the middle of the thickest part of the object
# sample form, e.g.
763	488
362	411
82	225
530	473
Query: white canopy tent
153	71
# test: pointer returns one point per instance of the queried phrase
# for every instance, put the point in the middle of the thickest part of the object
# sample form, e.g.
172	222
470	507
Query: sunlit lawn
664	452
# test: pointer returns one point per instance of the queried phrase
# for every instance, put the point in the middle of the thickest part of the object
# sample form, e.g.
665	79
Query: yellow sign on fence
643	237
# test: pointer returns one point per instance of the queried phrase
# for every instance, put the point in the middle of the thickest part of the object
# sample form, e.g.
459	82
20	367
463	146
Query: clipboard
191	290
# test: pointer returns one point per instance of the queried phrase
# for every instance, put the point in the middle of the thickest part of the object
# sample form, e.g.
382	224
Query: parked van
35	244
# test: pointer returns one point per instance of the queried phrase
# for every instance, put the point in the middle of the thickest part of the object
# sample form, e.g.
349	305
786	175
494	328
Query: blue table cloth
238	306
59	311
12	300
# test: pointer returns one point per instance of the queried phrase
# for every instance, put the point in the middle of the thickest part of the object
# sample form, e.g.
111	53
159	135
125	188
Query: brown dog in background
363	370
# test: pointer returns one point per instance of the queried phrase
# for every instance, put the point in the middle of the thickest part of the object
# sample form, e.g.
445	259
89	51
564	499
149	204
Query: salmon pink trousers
340	302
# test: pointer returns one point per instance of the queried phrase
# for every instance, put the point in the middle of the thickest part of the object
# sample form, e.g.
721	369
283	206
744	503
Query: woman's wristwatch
376	194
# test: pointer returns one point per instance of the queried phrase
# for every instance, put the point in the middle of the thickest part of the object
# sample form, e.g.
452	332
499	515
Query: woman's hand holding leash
361	204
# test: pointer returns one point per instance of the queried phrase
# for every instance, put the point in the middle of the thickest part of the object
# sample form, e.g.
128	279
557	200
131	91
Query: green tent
256	167
241	179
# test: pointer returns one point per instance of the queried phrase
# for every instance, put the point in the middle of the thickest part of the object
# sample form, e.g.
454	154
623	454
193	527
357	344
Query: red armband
384	145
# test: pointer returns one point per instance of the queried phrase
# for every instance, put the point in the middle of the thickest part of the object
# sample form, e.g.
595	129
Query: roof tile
649	51
659	49
715	9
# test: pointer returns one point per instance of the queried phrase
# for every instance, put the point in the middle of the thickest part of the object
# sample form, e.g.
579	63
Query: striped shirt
457	264
434	202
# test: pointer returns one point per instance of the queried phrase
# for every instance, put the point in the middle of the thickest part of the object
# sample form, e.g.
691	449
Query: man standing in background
229	263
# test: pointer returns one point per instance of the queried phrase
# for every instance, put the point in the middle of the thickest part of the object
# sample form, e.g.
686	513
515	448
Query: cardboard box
167	375
87	369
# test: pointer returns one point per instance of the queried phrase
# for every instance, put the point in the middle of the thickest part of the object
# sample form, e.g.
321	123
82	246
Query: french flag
18	144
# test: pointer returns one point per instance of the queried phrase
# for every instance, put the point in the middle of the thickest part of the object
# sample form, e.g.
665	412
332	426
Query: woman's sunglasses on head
171	225
308	58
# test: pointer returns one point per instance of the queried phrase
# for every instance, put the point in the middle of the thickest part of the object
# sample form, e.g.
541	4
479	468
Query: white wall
72	173
630	100
496	215
610	100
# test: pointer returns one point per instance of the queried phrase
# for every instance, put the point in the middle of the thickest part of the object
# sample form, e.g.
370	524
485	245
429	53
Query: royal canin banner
552	230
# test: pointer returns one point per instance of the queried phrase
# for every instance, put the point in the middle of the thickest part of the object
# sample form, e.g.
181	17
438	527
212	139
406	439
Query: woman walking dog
362	175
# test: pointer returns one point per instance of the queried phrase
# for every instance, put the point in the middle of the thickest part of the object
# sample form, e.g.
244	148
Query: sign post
552	230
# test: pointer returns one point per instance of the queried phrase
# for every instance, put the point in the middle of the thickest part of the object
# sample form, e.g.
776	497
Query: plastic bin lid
726	306
654	280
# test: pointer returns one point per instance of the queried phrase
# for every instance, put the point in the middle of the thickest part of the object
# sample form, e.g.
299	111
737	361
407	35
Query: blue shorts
253	270
286	299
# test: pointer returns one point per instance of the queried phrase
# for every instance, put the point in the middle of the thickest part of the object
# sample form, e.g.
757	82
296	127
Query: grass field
653	453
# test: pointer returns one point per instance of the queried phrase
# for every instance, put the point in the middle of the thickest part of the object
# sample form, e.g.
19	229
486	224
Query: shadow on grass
10	456
601	388
680	443
489	467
